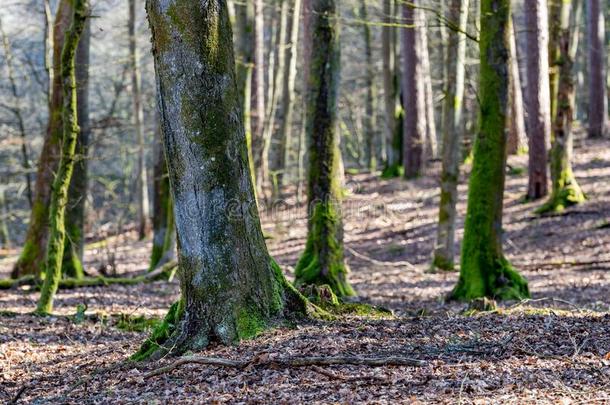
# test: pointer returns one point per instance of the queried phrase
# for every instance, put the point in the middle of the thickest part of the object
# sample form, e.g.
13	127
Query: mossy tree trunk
484	270
539	102
77	193
138	118
565	188
414	129
370	113
61	183
164	241
444	252
598	101
32	256
323	260
517	138
5	237
230	288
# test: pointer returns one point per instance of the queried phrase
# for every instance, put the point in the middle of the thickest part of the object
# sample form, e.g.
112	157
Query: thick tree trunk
444	251
138	118
565	190
164	241
290	76
598	101
16	109
517	138
484	270
539	103
323	261
413	93
61	183
370	113
33	253
431	148
77	193
231	288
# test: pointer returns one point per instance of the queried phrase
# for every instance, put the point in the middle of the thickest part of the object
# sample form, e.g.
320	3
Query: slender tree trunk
431	149
307	49
539	103
322	261
48	48
231	288
16	109
565	190
413	92
61	183
33	253
5	237
517	138
370	117
390	89
598	101
258	86
77	193
138	118
444	252
290	76
164	241
484	270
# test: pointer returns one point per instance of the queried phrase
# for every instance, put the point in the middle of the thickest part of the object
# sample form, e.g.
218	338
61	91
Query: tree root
379	262
287	362
165	272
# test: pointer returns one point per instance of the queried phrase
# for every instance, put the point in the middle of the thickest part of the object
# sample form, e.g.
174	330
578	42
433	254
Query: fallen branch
287	362
563	263
379	262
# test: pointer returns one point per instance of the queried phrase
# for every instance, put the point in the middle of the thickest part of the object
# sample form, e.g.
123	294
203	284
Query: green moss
561	199
139	323
393	171
441	263
516	171
501	281
249	323
161	333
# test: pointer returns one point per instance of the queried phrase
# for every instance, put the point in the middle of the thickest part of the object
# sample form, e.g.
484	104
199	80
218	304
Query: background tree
539	102
444	252
258	90
230	288
413	92
598	101
484	271
61	183
370	117
323	260
517	138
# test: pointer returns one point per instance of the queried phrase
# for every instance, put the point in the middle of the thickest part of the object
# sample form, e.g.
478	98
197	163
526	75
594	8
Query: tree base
566	197
502	283
393	171
440	263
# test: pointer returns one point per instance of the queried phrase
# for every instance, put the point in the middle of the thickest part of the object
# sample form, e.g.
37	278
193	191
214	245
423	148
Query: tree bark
484	270
565	188
230	288
138	118
444	252
323	261
539	107
370	114
77	193
48	47
33	253
61	183
258	85
598	101
5	237
413	93
431	148
517	138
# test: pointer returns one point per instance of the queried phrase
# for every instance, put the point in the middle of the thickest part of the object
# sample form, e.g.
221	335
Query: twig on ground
286	362
379	262
561	264
18	394
553	299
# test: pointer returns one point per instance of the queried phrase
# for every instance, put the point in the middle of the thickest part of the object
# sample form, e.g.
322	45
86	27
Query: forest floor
554	348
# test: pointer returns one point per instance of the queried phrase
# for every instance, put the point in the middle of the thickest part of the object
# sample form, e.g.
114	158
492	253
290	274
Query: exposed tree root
287	362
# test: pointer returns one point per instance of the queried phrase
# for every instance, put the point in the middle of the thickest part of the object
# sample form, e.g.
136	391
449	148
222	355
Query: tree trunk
61	183
444	251
48	47
322	261
431	149
290	76
231	288
16	110
413	93
517	138
5	237
539	107
565	190
138	118
77	193
164	241
370	117
33	253
307	48
598	102
258	85
484	270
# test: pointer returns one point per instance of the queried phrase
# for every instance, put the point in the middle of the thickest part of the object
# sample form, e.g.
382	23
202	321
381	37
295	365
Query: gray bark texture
598	101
